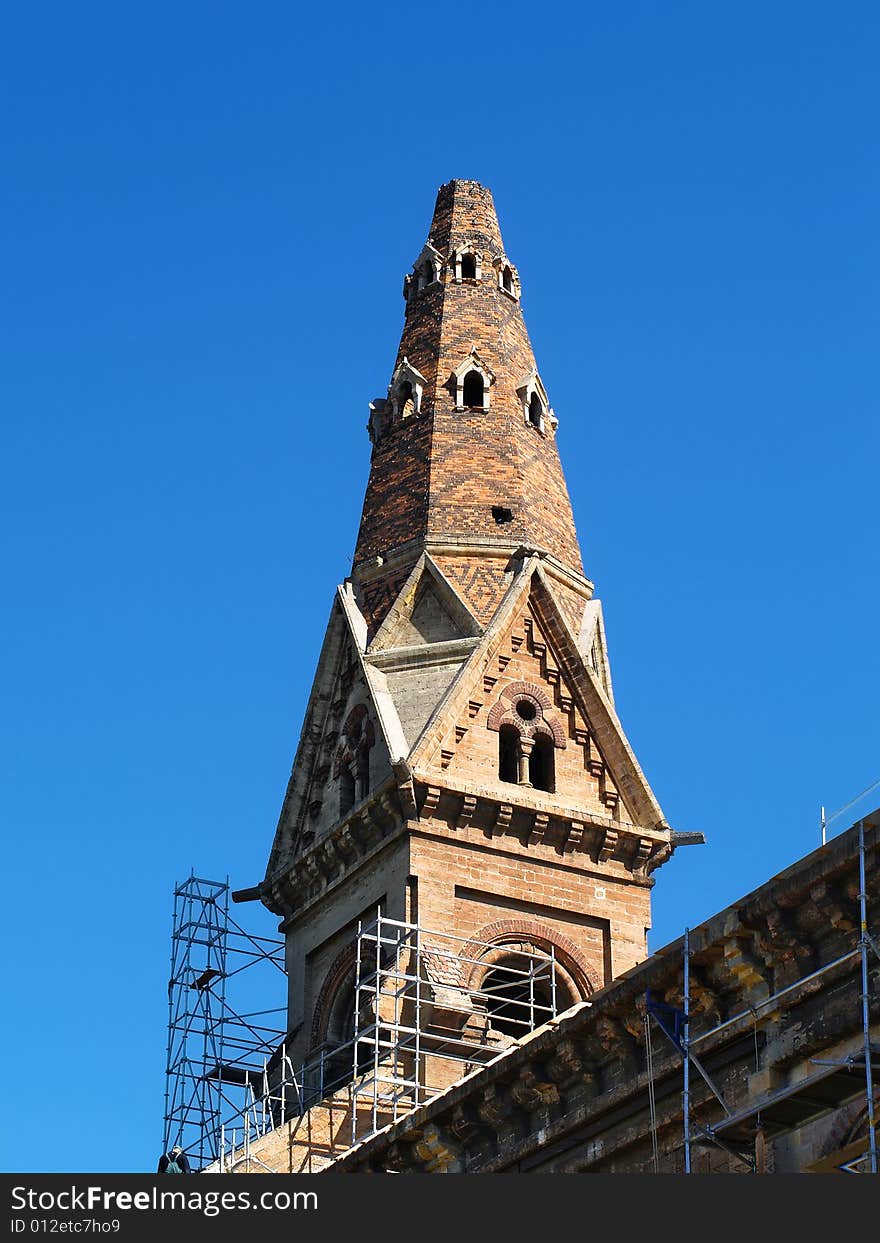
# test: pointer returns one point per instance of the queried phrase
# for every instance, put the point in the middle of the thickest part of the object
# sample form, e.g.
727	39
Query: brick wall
438	474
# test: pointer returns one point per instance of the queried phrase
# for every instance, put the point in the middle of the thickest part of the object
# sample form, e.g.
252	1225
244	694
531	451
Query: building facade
465	853
784	1047
461	765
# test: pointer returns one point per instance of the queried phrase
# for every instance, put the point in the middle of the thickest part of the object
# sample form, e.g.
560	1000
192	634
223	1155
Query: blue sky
206	213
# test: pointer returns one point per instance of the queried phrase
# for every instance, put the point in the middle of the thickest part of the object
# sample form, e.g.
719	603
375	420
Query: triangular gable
593	646
350	736
427	610
419	649
529	631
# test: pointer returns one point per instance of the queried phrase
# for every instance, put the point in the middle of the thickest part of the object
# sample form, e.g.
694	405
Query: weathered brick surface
783	1047
481	580
472	886
527	660
437	837
438	473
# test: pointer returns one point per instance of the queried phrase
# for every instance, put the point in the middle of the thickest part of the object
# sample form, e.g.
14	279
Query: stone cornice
534	817
335	854
423	656
365	571
578	1085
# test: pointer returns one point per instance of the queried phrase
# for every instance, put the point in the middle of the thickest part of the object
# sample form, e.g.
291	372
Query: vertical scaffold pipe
866	1016
686	1094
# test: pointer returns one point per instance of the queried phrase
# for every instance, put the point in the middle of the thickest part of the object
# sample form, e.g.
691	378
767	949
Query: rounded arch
489	944
473	390
331	992
468	266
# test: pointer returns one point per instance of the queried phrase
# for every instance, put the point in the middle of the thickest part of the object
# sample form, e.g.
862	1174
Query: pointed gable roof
531	587
437	476
427	610
340	678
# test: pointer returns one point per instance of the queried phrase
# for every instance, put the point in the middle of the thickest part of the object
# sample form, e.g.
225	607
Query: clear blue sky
206	215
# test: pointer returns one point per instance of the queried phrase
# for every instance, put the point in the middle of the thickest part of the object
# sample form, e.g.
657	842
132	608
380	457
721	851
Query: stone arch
340	969
505	713
467	263
512	934
515	690
351	764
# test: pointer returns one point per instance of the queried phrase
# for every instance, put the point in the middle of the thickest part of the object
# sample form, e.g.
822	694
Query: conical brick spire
461	765
465	462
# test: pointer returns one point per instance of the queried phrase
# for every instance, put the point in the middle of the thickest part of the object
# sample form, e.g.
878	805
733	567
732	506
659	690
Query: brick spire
464	447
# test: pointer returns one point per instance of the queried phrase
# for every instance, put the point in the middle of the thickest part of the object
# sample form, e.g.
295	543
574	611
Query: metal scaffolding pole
392	1039
864	942
213	1051
685	1042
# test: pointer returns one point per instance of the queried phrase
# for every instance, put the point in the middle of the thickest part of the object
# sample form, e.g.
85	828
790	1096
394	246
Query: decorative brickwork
340	969
377	597
460	762
440	471
512	931
480	580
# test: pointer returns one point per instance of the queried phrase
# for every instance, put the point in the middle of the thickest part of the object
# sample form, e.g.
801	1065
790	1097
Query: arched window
472	393
340	1022
428	273
405	404
468	267
363	773
337	1066
541	764
520	994
346	791
536	410
507	279
508	754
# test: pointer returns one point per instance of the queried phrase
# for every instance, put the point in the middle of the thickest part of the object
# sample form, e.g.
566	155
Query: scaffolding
216	1052
778	1111
426	1009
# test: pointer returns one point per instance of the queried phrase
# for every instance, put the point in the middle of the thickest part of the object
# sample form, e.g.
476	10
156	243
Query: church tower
461	763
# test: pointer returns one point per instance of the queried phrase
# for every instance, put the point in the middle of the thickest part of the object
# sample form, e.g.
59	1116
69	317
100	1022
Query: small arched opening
336	1067
346	791
507	279
541	764
536	410
523	990
363	773
468	267
405	401
473	390
508	754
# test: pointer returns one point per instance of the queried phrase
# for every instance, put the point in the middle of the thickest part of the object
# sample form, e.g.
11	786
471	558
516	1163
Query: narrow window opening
507	280
363	773
405	403
468	268
500	514
346	791
536	410
541	763
428	274
508	754
337	1066
472	390
519	994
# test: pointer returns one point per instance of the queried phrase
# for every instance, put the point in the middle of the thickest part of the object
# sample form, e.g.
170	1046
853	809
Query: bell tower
461	764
